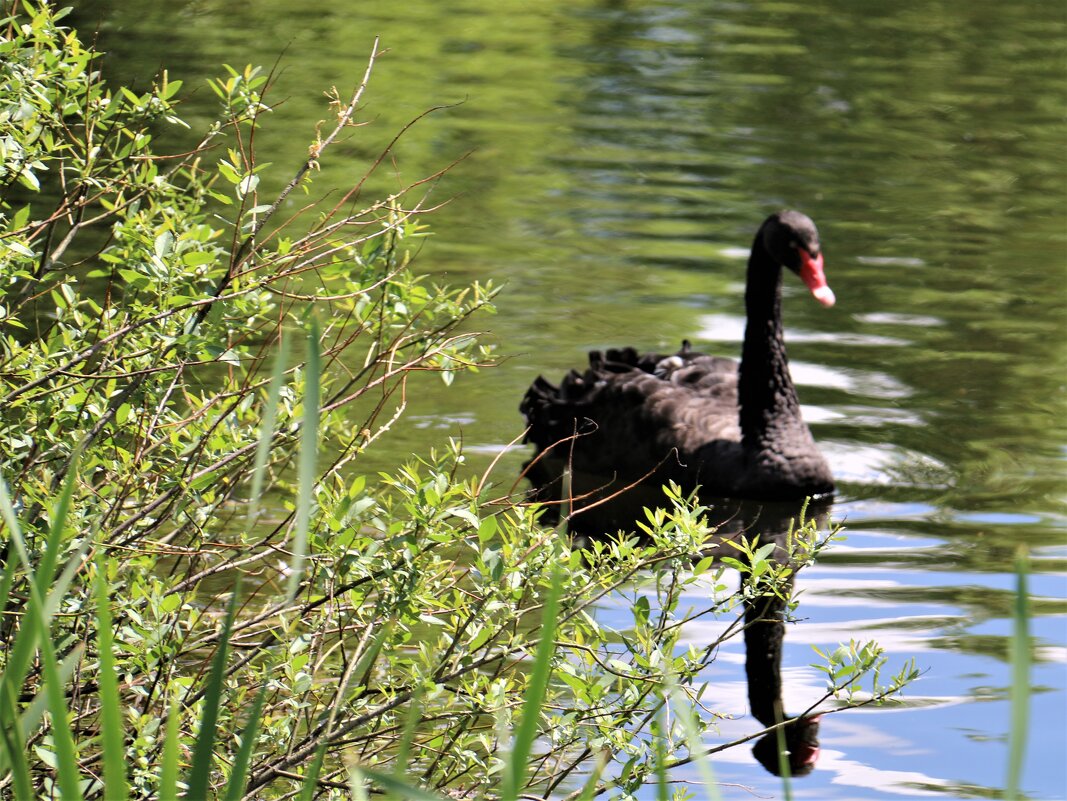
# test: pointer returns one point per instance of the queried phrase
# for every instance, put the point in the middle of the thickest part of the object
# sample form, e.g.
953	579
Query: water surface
621	156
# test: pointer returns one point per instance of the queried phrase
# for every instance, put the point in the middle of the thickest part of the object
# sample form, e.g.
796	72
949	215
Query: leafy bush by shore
199	593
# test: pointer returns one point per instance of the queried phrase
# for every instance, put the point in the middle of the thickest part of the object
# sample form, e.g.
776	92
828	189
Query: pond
618	156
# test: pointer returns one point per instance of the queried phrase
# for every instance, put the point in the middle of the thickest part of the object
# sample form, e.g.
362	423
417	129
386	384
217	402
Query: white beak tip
825	296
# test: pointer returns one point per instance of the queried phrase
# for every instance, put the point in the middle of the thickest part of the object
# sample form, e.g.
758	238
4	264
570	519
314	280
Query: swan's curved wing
628	413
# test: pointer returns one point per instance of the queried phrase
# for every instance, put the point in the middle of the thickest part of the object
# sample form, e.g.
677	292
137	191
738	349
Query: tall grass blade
7	580
515	772
411	723
309	445
21	650
14	749
68	774
396	787
116	787
203	750
36	625
236	783
31	716
357	784
311	778
266	433
660	731
168	768
589	789
8	710
783	758
55	542
47	566
692	735
1020	676
25	642
7	514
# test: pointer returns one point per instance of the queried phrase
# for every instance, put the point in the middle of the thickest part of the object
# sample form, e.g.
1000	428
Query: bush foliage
200	593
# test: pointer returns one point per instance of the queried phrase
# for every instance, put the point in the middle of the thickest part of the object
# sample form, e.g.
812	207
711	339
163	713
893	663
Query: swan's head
801	747
793	241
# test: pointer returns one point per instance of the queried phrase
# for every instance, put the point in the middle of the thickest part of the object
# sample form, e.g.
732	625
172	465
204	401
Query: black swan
733	430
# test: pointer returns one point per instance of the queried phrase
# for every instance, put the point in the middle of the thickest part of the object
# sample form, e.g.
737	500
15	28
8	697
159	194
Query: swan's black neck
766	394
764	632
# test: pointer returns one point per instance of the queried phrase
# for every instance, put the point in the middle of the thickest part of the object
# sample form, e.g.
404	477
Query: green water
618	158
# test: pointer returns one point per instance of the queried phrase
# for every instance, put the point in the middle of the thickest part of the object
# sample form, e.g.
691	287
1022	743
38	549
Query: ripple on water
444	422
997	518
891	261
738	253
854	381
894	318
882	509
885	465
731	328
869	416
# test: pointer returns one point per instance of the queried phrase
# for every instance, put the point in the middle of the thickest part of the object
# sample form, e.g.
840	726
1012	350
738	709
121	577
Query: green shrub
199	593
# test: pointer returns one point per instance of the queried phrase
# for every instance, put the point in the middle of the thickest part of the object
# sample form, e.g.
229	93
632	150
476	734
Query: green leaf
641	610
195	258
34	712
18	247
228	172
69	775
20	218
130	96
589	790
164	244
29	180
466	515
660	729
230	357
247	185
134	279
487	529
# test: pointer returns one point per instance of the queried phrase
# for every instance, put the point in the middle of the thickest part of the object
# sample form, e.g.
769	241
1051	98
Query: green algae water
615	160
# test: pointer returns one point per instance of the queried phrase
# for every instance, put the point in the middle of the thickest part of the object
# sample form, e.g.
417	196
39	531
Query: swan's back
634	412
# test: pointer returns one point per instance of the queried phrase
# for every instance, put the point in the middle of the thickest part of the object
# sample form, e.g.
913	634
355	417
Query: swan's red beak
811	274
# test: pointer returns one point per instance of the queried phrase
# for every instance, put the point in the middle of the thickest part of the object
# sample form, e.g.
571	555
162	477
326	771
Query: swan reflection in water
633	421
765	616
764	635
